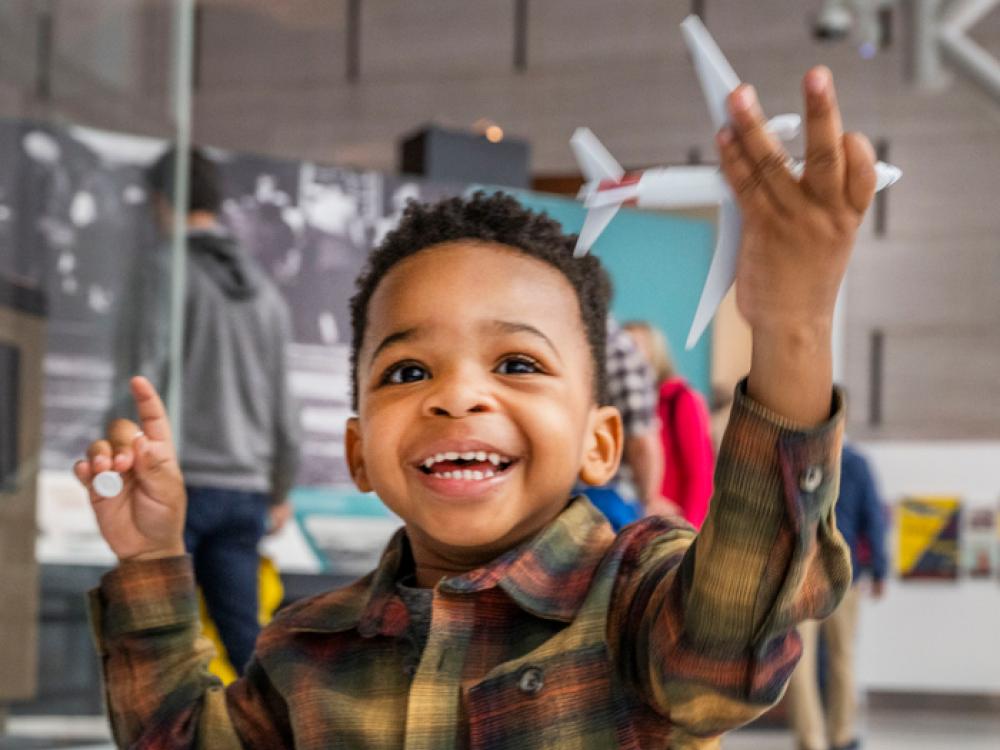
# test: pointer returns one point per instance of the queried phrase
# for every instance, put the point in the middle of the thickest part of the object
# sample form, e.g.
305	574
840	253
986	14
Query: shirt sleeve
158	688
704	627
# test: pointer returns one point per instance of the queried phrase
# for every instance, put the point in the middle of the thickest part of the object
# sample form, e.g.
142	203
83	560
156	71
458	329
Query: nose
458	395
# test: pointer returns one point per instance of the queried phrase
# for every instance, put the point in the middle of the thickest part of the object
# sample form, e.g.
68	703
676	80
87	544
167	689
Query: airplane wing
721	272
715	74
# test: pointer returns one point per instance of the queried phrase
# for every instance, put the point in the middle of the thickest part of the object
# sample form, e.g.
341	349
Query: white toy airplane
608	187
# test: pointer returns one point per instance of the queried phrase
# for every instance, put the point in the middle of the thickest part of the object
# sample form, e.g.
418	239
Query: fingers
152	414
101	457
825	162
740	174
121	435
767	157
83	473
127	447
116	453
152	458
100	454
860	171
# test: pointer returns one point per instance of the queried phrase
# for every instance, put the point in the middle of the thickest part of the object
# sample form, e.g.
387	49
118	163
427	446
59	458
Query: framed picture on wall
929	530
981	543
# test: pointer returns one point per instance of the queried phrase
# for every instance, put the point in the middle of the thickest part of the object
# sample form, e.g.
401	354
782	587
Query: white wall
938	637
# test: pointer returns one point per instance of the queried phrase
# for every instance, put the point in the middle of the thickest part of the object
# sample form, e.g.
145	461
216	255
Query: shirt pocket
567	700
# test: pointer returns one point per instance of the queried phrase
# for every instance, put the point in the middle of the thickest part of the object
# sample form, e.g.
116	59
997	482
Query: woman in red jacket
684	429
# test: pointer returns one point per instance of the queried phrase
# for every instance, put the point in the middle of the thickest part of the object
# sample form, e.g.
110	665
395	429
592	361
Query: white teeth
494	458
467	474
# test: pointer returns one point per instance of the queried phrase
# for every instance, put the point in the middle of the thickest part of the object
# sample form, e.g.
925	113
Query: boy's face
476	413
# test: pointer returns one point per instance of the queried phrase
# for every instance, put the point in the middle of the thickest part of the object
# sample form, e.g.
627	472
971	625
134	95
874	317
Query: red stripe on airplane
629	179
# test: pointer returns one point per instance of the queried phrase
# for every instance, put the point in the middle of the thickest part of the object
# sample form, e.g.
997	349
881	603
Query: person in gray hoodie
239	446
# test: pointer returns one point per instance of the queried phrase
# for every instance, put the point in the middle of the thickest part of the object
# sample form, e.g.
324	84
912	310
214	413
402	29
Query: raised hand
146	520
798	234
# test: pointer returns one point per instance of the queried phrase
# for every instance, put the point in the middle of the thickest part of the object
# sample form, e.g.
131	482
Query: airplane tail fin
597	219
597	165
596	162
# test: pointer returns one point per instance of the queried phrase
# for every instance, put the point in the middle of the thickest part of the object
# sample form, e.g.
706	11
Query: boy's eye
518	365
405	372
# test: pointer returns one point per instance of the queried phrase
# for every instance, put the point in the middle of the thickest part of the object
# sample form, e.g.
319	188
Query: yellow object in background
928	537
270	594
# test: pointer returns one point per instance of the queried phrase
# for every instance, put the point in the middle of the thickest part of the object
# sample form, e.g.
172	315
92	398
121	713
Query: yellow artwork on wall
928	536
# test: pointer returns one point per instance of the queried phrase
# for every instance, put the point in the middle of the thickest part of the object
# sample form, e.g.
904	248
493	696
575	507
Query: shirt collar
548	576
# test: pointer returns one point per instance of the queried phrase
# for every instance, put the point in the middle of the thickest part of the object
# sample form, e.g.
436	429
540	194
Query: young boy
506	614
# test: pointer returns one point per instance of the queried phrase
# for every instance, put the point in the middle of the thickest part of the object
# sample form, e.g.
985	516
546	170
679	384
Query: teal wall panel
658	263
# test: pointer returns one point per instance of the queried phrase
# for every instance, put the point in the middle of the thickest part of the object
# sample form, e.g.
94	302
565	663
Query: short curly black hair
498	218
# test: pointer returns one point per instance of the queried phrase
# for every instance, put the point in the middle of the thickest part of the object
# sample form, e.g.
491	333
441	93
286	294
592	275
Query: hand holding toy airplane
608	187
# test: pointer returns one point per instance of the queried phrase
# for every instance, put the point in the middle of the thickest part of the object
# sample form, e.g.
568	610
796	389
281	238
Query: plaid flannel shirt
577	639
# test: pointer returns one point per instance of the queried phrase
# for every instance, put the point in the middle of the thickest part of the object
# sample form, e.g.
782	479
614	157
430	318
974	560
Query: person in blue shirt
861	520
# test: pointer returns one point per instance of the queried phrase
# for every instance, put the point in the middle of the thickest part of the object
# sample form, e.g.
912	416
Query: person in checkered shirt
635	491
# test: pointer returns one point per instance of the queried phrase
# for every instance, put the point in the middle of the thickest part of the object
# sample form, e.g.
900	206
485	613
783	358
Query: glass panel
85	107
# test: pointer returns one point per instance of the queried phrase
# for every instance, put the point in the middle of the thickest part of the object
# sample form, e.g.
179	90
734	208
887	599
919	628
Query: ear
602	451
353	452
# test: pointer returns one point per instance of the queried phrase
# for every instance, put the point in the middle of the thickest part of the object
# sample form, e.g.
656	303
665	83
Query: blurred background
326	116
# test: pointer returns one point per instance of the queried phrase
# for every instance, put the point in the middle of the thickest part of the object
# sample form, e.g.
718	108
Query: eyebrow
500	326
393	338
509	326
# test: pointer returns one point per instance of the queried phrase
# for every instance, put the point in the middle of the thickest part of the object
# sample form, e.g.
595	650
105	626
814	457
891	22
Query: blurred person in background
635	491
240	441
684	429
861	520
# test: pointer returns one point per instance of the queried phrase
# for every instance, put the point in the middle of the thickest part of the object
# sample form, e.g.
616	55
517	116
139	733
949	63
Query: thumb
861	176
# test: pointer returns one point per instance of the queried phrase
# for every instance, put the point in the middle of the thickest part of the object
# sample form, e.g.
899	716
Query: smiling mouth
469	466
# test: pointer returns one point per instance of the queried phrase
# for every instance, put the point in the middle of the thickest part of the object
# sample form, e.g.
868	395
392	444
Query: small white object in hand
108	484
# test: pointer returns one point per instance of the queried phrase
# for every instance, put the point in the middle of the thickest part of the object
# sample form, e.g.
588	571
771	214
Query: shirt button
811	479
532	681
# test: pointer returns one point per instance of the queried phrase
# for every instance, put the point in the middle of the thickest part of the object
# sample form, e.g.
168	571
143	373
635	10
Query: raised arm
705	628
145	613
